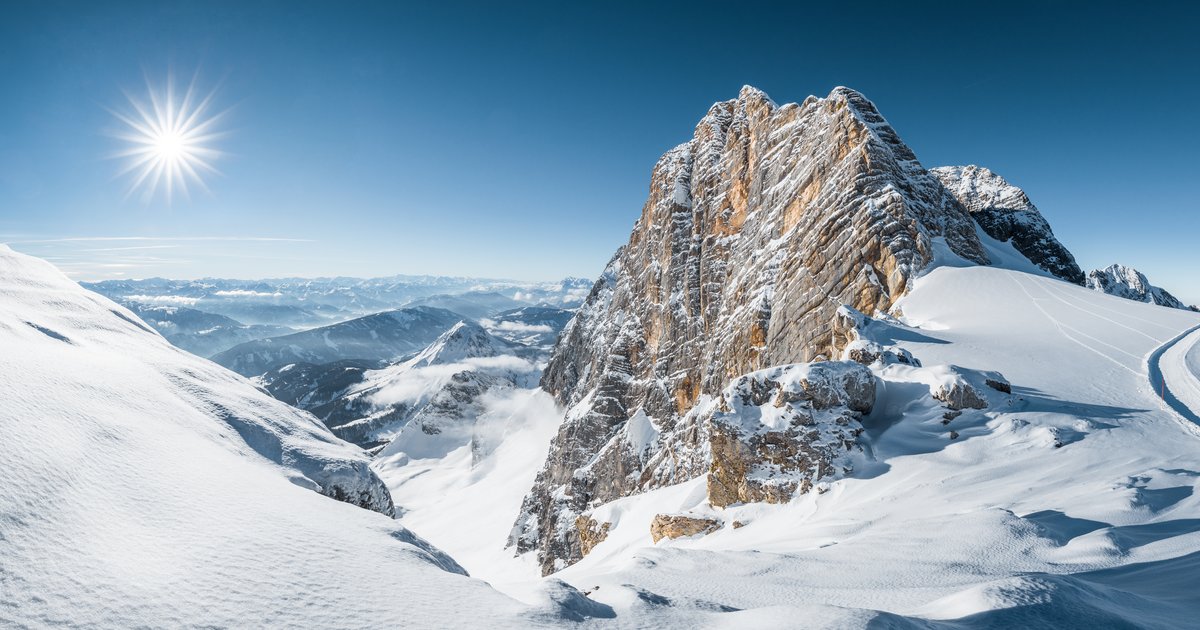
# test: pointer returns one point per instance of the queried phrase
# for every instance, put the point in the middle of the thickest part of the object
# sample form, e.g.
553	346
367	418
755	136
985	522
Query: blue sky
517	140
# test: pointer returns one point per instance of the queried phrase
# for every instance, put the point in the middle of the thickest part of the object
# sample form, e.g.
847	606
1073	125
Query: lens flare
169	140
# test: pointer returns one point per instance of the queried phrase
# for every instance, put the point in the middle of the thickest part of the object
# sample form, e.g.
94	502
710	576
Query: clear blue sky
516	140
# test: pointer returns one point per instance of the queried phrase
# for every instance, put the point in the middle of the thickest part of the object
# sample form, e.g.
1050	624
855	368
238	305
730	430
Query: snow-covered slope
1069	503
145	487
1131	284
78	353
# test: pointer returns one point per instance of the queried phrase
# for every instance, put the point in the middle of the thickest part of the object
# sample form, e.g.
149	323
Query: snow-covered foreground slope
145	487
1069	503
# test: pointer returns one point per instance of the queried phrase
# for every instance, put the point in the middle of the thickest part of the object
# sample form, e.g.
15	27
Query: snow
640	431
998	525
146	487
1131	284
1175	374
1071	502
470	506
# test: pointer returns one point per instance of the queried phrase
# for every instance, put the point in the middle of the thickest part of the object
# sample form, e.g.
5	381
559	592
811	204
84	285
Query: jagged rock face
958	395
755	231
1130	284
767	436
1006	214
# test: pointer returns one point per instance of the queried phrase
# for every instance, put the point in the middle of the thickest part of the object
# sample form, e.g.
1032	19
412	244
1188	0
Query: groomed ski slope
134	497
1071	505
1174	371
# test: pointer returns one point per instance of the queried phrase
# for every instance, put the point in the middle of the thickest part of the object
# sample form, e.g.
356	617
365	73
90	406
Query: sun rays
169	140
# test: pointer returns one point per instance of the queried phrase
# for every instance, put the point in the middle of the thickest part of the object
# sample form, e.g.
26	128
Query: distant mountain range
381	337
199	332
307	302
209	316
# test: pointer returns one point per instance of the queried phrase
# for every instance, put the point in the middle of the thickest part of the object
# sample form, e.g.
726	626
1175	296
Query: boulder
591	533
680	525
958	394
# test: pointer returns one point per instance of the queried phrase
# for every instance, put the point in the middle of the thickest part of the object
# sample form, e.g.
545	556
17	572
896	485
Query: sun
169	139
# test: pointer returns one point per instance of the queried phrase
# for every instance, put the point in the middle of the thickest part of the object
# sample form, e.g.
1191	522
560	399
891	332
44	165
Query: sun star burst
170	140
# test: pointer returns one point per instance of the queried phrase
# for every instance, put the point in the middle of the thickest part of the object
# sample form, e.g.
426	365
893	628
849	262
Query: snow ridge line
1159	386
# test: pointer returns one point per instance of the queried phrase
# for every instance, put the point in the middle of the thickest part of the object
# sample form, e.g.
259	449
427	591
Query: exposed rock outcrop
858	333
1131	284
591	533
754	233
1006	214
959	394
681	525
776	432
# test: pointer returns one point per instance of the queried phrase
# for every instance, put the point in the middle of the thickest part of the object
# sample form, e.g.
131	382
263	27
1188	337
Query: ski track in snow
1173	370
1063	327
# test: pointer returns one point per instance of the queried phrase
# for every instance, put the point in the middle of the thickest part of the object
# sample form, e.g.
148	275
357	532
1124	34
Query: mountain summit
1006	214
755	234
1131	284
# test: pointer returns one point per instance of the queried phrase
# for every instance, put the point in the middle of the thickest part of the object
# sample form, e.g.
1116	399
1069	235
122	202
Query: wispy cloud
101	239
100	257
128	249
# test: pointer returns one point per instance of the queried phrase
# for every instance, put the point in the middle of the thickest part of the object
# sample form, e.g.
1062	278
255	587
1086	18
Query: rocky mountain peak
1129	283
1006	214
753	235
463	340
751	93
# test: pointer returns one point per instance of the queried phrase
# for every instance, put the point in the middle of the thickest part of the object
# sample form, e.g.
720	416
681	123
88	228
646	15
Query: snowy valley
820	386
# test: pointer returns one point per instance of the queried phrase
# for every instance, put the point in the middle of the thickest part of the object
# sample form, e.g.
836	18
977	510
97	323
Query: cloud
410	384
127	249
163	299
516	327
246	293
102	239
